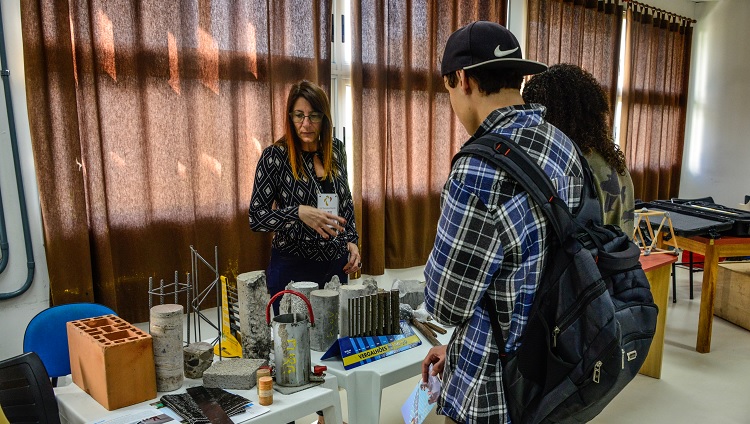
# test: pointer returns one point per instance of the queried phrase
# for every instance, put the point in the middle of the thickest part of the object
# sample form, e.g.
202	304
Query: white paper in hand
421	401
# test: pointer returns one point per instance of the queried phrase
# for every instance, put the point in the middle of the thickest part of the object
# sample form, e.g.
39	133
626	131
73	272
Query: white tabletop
77	407
364	384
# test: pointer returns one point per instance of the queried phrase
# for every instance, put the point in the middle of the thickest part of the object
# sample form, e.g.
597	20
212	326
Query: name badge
329	202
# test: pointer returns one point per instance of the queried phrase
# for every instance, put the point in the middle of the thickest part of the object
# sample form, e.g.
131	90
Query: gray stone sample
410	292
198	357
238	373
253	299
334	284
292	303
371	285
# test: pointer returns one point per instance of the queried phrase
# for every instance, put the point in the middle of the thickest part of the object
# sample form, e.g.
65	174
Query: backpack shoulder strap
507	155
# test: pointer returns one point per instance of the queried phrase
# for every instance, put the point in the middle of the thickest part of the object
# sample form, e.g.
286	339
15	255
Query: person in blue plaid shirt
492	240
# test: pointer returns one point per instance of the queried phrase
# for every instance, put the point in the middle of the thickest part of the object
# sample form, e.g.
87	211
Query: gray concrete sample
293	304
325	304
197	357
238	373
410	292
165	327
253	299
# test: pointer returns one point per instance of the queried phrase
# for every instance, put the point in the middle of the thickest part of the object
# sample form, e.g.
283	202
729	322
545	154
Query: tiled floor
694	388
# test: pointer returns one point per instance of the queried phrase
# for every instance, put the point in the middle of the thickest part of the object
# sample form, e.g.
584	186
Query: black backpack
593	316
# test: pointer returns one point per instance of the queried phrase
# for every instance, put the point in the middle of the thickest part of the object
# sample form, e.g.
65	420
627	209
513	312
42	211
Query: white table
77	407
364	384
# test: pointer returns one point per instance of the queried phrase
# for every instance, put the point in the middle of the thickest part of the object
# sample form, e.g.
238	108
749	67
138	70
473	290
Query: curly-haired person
577	104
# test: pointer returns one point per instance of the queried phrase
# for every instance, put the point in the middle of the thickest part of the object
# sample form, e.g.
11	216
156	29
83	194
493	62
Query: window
341	81
620	82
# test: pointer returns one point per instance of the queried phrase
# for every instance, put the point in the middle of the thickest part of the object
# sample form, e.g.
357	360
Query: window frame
341	80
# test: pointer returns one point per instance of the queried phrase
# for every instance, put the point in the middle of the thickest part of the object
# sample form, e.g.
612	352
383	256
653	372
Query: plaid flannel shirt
491	238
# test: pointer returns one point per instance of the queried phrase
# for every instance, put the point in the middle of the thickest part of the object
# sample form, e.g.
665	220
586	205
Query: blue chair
47	335
26	394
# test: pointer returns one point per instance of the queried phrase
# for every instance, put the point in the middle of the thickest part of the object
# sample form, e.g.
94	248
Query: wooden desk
712	249
658	269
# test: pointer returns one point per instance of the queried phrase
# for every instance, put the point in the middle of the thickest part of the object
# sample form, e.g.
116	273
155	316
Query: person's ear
463	81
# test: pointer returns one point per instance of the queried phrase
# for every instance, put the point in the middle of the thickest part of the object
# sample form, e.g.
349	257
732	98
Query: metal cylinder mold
291	343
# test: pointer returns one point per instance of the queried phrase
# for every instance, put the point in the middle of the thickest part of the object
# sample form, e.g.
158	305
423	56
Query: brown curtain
404	130
147	120
654	99
581	32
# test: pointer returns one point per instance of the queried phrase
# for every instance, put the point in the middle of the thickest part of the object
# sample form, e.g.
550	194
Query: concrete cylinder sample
165	326
325	306
347	292
253	298
291	304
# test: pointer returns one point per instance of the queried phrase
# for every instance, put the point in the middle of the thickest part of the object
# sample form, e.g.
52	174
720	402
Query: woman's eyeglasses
299	117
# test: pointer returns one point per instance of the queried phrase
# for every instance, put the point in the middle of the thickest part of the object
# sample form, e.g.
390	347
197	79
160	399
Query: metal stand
169	290
194	296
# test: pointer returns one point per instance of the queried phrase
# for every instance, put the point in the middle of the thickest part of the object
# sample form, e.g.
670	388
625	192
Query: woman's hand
355	259
326	224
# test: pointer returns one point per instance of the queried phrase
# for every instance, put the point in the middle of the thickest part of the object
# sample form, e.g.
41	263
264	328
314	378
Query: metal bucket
291	343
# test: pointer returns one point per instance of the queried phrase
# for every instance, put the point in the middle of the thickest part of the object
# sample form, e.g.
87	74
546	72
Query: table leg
705	320
659	280
367	386
332	413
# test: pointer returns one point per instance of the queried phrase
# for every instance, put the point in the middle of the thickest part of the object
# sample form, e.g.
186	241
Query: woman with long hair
301	193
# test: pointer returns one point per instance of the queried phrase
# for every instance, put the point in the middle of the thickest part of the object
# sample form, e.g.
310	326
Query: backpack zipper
592	292
632	337
597	370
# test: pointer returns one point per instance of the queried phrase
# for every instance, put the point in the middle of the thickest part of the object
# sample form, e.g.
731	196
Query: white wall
716	160
15	313
684	8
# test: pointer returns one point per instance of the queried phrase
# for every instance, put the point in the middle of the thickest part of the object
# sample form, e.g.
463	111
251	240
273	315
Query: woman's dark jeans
284	268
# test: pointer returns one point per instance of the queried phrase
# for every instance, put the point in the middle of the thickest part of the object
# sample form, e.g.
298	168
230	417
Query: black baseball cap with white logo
489	45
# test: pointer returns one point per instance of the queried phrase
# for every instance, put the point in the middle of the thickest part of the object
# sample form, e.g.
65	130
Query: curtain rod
660	10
